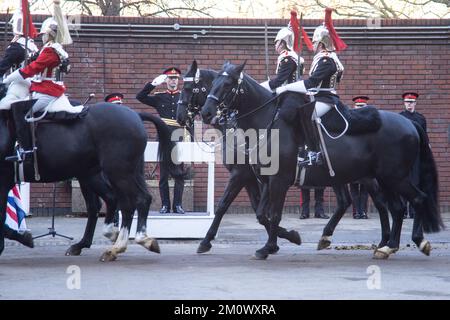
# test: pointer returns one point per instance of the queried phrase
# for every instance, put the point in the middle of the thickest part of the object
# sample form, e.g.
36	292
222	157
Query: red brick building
384	59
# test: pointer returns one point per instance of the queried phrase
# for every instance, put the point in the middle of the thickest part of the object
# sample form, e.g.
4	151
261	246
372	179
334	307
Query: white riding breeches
17	91
321	108
43	100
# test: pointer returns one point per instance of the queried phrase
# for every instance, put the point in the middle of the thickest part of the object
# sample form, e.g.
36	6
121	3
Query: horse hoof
73	251
294	237
425	247
27	239
324	243
274	250
204	247
108	256
261	254
154	246
381	253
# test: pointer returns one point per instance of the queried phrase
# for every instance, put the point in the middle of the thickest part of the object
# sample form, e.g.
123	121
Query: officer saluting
164	102
166	105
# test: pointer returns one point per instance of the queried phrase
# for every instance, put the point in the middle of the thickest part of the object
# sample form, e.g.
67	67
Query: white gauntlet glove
280	90
298	86
15	76
265	85
159	79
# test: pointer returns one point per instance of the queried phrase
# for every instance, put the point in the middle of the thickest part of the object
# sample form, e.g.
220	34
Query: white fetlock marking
423	244
140	237
386	250
325	238
110	231
121	243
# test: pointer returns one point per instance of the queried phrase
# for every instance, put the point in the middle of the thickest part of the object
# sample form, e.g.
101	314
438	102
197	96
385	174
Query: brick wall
122	54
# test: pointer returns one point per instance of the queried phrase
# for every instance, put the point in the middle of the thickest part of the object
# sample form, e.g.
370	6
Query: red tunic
47	60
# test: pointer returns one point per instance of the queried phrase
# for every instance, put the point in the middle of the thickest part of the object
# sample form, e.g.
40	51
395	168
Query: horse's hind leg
417	199
122	240
127	206
144	200
379	202
343	202
396	208
93	206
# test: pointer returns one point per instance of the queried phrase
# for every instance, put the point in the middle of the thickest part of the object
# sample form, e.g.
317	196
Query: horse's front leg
381	205
93	206
234	186
277	193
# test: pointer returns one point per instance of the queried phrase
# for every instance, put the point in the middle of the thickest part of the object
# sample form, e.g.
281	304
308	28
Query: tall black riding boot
23	132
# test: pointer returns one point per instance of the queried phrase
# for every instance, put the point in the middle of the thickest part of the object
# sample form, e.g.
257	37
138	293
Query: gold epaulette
171	122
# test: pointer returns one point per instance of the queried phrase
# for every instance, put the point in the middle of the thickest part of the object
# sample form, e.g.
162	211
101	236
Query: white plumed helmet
17	22
287	35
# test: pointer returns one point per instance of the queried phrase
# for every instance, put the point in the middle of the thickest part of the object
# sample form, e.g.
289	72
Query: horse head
197	84
224	91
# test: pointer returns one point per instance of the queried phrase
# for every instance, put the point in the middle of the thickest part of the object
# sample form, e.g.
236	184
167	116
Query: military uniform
13	59
326	72
417	117
420	119
358	192
286	69
165	104
116	98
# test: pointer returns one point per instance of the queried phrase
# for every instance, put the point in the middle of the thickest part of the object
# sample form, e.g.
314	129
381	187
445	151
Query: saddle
362	120
60	110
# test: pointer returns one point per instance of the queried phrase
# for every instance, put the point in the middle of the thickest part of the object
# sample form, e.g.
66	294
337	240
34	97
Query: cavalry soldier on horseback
287	61
21	48
166	104
46	86
325	72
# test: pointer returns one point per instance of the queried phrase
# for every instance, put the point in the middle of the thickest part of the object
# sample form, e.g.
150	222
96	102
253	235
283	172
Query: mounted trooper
19	50
288	61
47	88
326	71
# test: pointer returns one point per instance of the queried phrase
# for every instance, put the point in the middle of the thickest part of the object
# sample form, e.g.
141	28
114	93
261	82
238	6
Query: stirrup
20	155
314	158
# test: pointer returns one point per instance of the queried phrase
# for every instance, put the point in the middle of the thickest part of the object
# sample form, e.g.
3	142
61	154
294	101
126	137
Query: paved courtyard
345	271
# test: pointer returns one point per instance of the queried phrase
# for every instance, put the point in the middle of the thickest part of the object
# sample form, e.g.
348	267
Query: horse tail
428	183
166	145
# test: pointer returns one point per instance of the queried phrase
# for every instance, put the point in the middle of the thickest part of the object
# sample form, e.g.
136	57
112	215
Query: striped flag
15	213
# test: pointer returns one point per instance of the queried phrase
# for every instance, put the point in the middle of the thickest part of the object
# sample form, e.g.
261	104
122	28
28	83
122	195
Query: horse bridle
225	111
193	108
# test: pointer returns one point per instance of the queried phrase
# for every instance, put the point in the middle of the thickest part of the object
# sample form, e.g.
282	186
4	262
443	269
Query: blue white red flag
15	213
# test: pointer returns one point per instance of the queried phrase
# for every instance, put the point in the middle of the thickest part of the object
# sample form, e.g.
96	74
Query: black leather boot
25	149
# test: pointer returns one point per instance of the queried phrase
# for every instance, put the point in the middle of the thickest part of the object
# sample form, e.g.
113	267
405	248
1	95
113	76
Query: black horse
386	154
193	96
105	151
197	84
